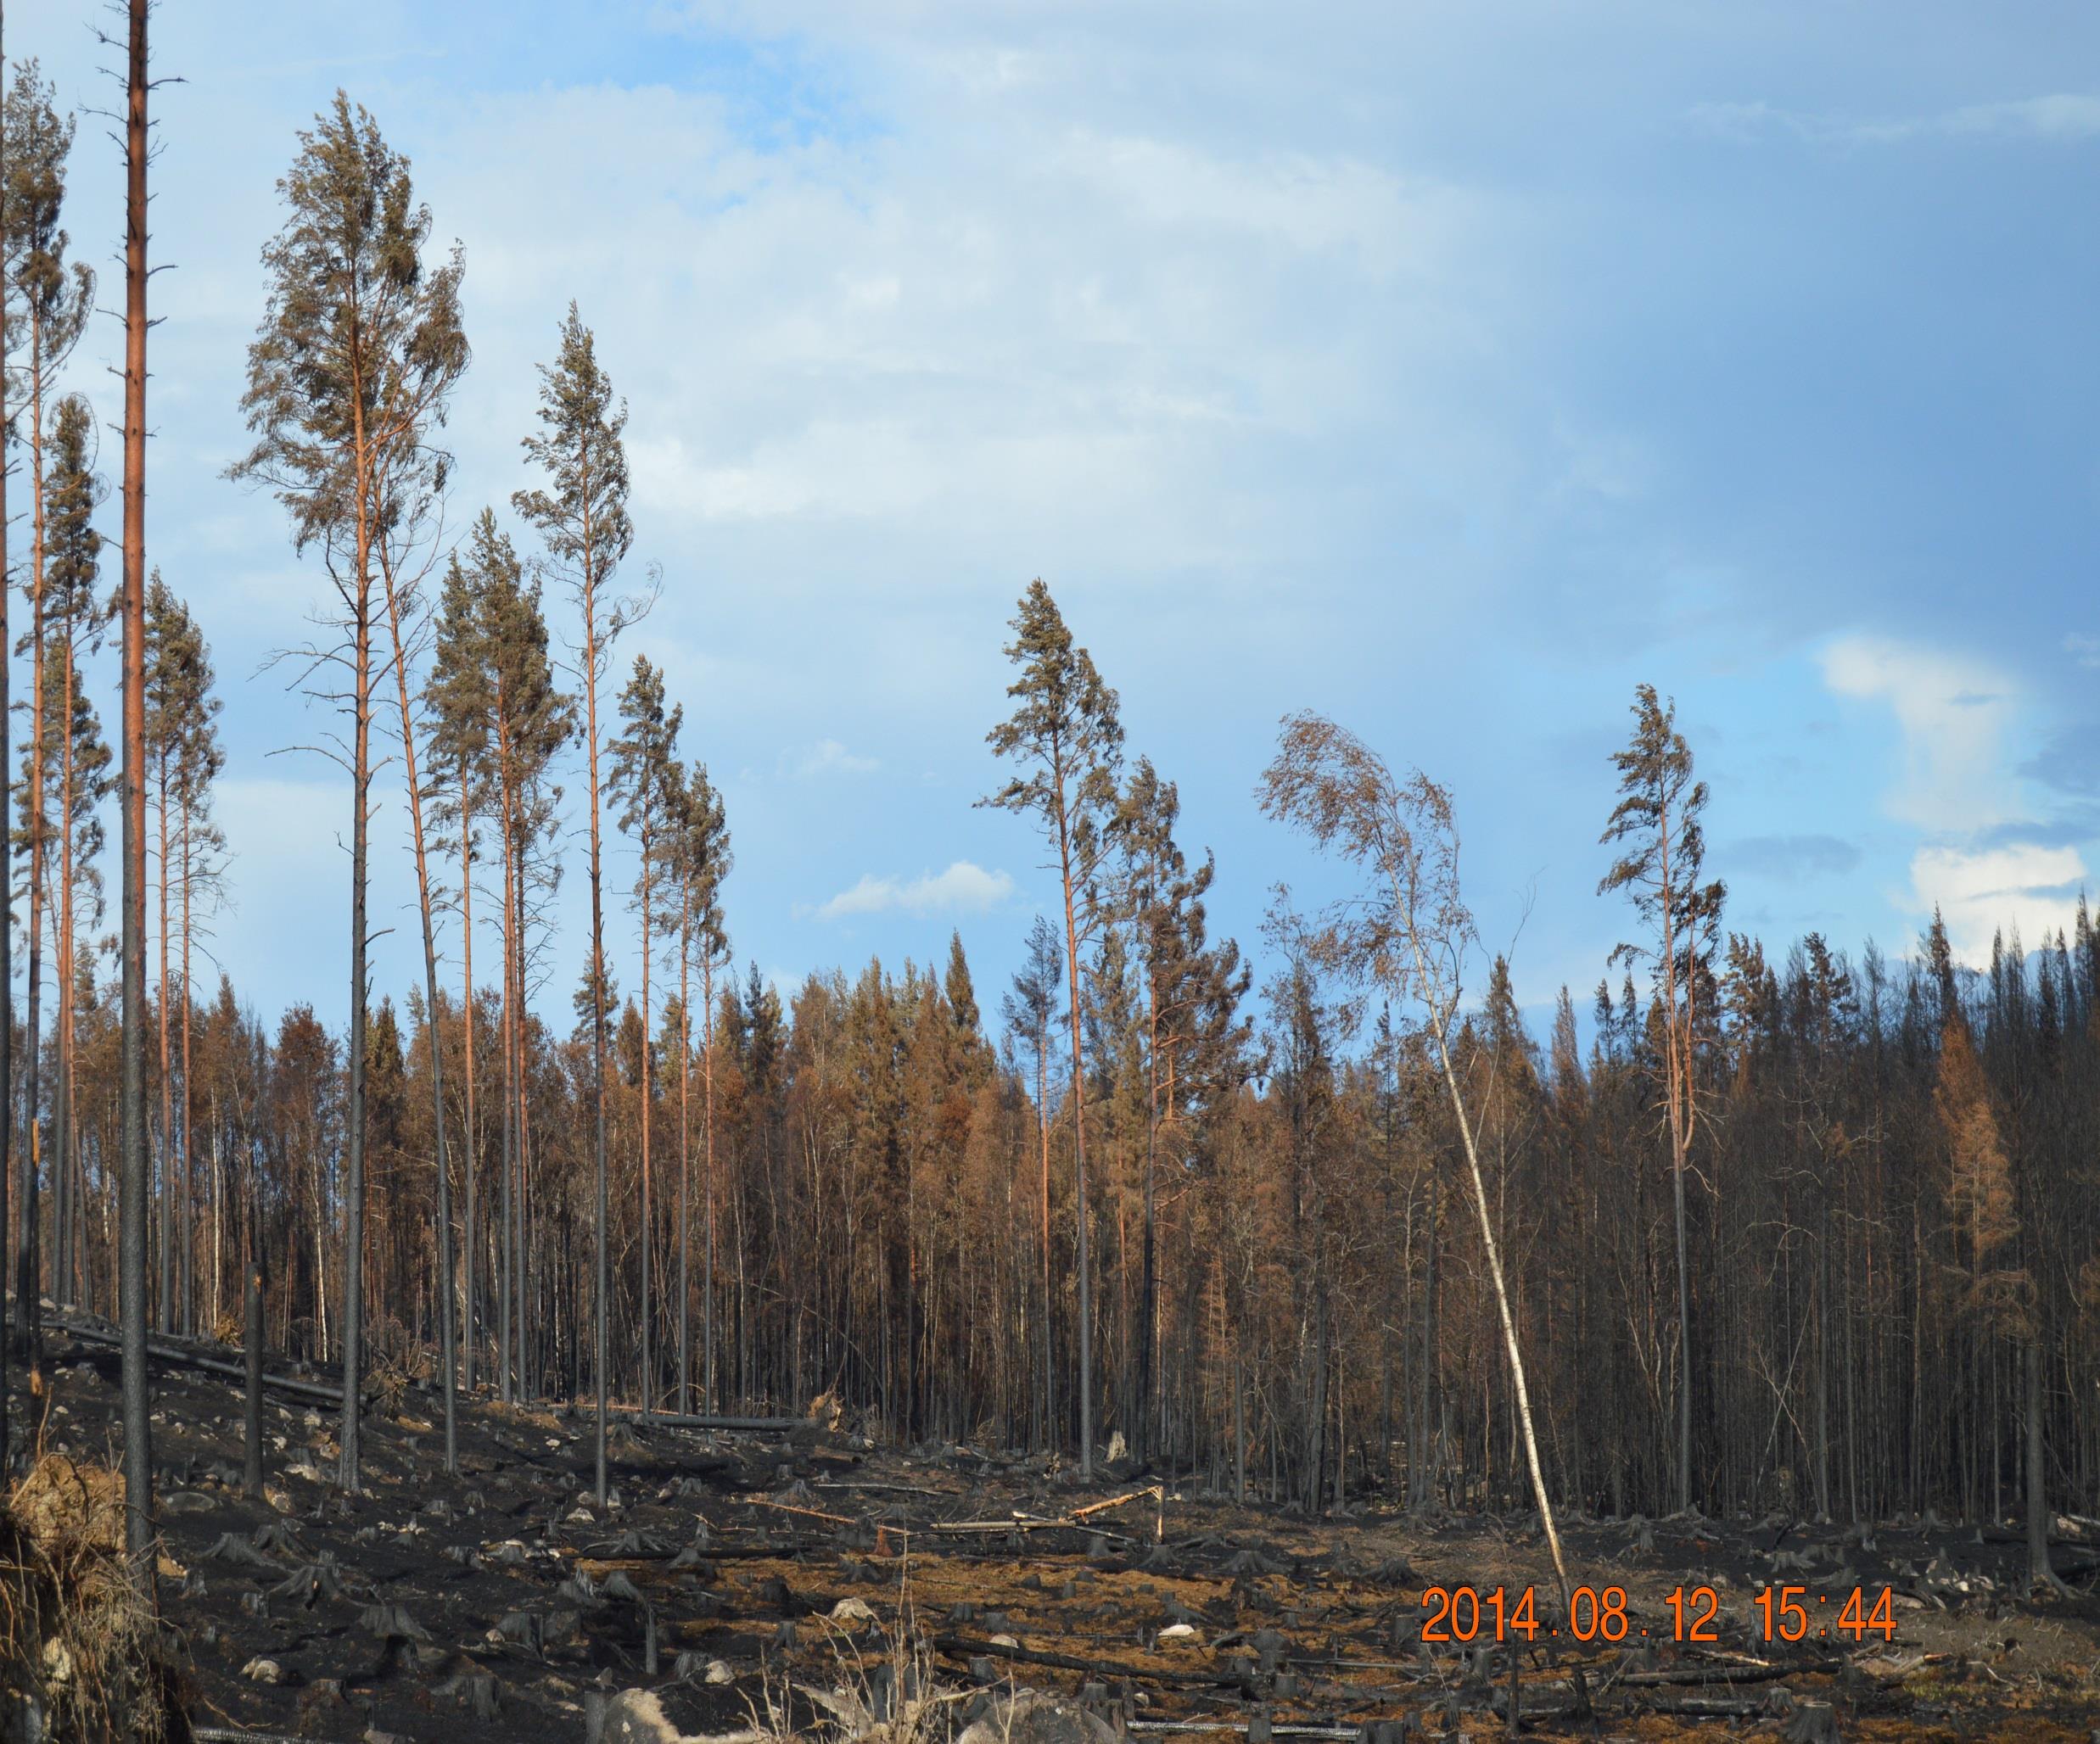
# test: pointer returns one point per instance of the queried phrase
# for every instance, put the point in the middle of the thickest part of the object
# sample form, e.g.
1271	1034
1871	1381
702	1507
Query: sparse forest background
1782	1224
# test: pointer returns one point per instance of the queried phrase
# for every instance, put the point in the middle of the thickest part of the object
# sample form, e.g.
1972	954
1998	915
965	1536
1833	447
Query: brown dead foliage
80	1649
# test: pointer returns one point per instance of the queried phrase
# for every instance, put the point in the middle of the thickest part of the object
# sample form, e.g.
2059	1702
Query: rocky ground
763	1582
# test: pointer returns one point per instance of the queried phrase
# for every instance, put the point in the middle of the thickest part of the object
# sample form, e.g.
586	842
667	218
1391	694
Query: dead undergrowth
80	1649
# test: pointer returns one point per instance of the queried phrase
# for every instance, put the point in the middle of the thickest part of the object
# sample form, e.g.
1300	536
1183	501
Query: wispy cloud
1953	711
2061	117
2085	650
828	756
1794	857
964	885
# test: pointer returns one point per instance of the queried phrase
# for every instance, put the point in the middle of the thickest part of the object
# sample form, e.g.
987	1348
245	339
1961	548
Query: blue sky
1448	367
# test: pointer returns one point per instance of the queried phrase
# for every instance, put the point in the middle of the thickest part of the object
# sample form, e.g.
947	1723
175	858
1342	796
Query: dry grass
78	1639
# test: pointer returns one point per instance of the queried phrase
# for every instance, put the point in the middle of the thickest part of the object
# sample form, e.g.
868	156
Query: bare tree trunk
448	1355
27	1334
62	957
1078	1151
6	827
353	1182
131	1289
685	1153
707	1076
520	1021
507	1302
598	1029
188	1108
648	1223
170	1318
1502	1294
472	1148
2039	1573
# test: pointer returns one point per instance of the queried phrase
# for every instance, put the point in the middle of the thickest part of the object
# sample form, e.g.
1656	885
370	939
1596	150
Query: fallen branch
705	1552
1281	1729
961	1647
1728	1674
1116	1501
1023	1522
760	1502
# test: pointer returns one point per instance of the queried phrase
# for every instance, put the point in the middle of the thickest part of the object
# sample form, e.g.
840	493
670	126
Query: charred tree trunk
137	1405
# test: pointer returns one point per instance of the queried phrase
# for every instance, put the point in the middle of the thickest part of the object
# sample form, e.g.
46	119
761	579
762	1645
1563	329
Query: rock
631	1717
1029	1717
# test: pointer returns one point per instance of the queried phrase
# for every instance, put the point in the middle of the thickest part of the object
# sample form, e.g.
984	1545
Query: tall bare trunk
28	1336
648	1223
707	1075
1501	1292
171	1187
6	827
448	1355
1078	1150
131	1268
472	1147
685	1152
597	1010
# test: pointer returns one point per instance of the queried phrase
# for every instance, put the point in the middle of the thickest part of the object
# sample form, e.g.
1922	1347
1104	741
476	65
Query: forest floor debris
504	1604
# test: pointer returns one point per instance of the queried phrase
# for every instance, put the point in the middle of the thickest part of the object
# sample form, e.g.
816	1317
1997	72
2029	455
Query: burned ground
735	1574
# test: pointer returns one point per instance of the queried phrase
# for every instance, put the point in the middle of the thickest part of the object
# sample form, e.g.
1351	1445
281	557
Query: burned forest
1335	1313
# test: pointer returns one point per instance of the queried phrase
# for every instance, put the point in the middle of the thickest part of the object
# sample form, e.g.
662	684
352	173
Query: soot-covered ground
747	1577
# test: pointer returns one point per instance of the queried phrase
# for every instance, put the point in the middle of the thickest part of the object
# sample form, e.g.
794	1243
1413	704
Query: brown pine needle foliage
1980	1187
77	1636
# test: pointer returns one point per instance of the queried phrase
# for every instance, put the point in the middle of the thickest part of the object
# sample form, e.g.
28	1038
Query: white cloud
2085	650
1979	892
827	757
964	885
2061	114
2056	116
1953	711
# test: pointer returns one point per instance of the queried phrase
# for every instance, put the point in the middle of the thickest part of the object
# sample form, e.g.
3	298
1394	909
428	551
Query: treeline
1812	1233
868	1190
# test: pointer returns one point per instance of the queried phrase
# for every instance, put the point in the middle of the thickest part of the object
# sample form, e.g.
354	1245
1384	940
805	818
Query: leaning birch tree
1406	936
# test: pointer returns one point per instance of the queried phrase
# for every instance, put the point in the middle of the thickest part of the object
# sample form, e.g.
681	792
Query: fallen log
1280	1729
181	1356
1116	1501
961	1647
742	1426
705	1552
1682	1674
1027	1523
788	1507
